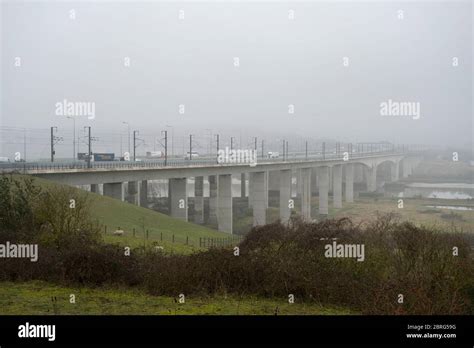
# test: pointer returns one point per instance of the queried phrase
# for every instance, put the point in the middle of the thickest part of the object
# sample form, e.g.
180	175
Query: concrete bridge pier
285	195
314	181
299	181
358	173
144	194
212	199
251	191
224	203
179	198
410	167
258	200
323	181
330	176
95	188
371	177
409	164
306	193
274	180
242	185
394	171
294	183
416	163
337	186
265	183
406	169
349	182
132	196
114	190
199	199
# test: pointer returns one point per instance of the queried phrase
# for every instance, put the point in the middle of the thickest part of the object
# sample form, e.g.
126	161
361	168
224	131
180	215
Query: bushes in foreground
433	271
275	261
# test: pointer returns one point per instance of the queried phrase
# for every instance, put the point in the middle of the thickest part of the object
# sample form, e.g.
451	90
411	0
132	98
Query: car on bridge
103	157
155	154
193	155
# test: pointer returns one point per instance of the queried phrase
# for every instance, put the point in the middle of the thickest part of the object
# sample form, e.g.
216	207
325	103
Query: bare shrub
275	260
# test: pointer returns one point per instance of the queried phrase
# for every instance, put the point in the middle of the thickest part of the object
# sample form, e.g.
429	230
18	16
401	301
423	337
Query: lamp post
73	137
128	126
210	141
166	146
172	139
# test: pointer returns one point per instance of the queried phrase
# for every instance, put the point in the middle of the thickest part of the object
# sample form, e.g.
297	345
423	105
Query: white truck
193	155
273	154
154	154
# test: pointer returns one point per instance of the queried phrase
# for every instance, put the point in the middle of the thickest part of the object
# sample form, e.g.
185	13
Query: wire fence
219	242
147	235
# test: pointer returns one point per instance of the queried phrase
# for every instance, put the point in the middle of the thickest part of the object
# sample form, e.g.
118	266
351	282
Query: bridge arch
369	169
388	170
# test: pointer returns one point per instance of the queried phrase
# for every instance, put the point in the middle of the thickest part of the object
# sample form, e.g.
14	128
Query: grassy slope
114	213
34	298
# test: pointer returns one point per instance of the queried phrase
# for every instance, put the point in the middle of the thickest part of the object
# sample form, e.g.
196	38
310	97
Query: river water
438	190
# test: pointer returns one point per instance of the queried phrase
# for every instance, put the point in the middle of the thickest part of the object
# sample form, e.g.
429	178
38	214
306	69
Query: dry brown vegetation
274	260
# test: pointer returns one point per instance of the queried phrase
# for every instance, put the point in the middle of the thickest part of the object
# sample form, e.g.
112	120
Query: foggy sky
282	62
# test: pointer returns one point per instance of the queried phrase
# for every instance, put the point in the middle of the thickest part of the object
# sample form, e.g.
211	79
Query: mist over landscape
282	62
233	161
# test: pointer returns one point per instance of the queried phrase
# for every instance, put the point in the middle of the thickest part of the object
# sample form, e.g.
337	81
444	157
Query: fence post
173	238
146	234
133	232
161	236
105	229
187	240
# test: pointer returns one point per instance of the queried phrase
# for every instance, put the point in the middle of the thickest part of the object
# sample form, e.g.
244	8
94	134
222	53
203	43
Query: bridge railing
292	157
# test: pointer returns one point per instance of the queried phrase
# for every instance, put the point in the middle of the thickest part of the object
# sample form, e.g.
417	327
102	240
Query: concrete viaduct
311	175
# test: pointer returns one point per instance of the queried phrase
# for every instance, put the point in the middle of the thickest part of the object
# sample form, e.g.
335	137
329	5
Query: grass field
365	209
442	171
36	298
414	210
115	214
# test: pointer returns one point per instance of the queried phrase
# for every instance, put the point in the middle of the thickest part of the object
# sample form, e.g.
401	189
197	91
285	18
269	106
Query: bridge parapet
79	167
